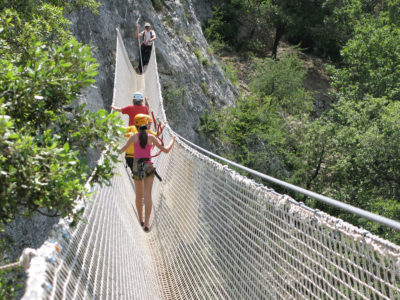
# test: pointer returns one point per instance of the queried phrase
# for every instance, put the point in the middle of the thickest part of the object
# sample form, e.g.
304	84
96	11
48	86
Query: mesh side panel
219	235
214	235
106	255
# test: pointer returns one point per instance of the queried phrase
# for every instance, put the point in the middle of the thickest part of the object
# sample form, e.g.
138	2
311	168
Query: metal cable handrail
346	207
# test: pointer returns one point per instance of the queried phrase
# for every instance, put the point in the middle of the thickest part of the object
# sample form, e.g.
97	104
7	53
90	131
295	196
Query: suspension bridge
214	235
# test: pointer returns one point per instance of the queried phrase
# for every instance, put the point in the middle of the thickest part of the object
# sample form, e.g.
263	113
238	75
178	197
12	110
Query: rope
24	260
9	266
346	207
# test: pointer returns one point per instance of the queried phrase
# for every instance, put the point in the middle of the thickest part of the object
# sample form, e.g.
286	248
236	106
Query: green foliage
36	176
321	27
173	98
230	72
189	39
252	132
372	62
158	5
338	156
360	126
197	52
205	89
255	131
209	124
6	286
224	23
10	279
44	133
350	153
391	9
205	62
35	89
340	23
356	170
172	94
216	31
282	81
29	8
45	172
362	158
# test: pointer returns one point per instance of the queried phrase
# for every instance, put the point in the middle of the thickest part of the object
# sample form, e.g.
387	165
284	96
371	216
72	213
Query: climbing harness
141	169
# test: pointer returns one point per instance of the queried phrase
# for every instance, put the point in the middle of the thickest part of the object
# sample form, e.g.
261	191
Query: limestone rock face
192	81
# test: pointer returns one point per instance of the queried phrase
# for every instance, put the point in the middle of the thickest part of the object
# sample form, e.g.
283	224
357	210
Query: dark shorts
129	161
139	173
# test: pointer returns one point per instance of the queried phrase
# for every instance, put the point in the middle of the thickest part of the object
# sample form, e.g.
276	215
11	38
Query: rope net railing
214	235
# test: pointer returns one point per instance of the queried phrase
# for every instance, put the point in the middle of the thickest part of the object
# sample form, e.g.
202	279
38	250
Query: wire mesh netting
214	235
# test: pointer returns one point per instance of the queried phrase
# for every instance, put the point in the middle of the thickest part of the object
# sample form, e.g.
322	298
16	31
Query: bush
205	62
44	133
282	80
158	5
230	72
197	52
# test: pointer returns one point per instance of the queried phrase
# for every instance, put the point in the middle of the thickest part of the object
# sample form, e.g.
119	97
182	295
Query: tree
44	132
255	131
361	160
371	61
283	81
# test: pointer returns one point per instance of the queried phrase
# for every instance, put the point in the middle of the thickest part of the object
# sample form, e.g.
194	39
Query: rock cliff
191	78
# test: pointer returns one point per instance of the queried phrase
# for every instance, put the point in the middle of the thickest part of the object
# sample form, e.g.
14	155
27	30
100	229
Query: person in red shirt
132	110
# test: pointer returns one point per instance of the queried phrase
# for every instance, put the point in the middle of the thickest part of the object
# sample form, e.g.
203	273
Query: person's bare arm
154	37
128	142
116	108
156	142
163	126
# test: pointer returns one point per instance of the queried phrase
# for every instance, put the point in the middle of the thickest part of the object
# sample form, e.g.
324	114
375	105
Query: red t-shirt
133	110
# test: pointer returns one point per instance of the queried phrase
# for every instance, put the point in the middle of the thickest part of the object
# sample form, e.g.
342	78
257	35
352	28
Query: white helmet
138	96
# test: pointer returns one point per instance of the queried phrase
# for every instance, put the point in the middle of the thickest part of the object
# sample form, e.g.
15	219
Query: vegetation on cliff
350	151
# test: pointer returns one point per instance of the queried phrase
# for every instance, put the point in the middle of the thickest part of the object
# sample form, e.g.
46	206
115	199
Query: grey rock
199	82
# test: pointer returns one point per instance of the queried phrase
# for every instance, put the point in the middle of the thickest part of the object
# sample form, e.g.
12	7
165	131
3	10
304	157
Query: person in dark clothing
145	38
